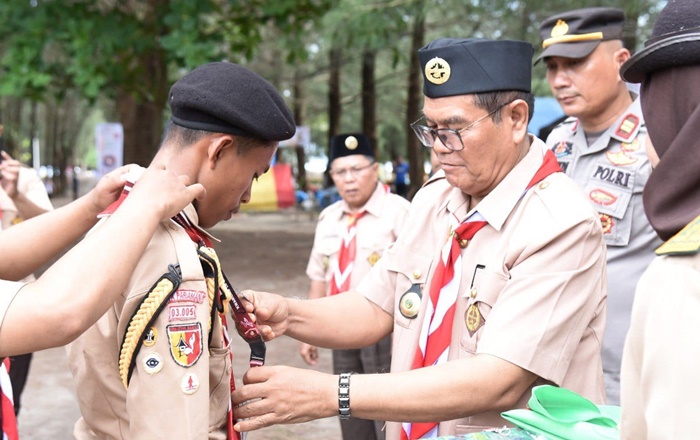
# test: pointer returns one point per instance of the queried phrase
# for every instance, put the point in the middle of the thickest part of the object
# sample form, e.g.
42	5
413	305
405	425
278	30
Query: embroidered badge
437	71
149	337
620	158
326	261
562	149
194	296
627	126
185	343
409	304
560	29
373	258
189	383
607	223
602	197
152	363
182	312
631	147
473	319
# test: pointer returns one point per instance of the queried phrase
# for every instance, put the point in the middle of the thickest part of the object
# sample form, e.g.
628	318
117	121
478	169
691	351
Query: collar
497	206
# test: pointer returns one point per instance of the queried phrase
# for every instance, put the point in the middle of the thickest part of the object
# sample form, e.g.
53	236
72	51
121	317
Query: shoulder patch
628	127
686	242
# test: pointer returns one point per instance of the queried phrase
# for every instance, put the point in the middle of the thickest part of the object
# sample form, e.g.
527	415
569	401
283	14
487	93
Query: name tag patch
183	312
194	296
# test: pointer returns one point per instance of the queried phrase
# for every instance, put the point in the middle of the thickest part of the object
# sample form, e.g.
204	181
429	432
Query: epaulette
686	242
628	127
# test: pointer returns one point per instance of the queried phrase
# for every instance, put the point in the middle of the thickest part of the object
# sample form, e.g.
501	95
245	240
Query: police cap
349	144
224	97
453	66
576	33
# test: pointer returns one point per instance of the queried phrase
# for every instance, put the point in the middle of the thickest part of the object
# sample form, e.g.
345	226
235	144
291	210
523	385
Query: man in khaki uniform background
602	146
22	196
354	171
161	368
495	284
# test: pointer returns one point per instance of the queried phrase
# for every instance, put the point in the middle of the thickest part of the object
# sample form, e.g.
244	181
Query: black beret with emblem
453	66
675	41
349	144
576	33
227	98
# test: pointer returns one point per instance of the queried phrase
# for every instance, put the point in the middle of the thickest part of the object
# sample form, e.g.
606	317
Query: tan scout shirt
179	388
386	213
29	184
538	269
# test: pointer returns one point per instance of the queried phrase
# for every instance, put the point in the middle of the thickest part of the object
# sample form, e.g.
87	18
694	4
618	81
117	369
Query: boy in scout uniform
495	284
22	196
602	146
367	219
660	383
158	365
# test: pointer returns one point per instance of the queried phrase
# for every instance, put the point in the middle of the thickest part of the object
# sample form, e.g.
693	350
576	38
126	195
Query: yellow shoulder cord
215	283
147	312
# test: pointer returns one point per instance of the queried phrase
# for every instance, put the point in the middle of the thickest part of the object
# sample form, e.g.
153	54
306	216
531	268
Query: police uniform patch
152	363
373	258
189	383
194	296
607	223
620	158
150	337
631	147
627	126
182	312
437	71
601	197
562	149
185	343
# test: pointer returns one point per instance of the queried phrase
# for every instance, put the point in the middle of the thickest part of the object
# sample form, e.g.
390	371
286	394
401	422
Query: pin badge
152	363
351	142
189	383
473	319
149	339
409	305
437	71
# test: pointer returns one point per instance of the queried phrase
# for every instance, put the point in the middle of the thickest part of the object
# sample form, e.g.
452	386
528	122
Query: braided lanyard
246	328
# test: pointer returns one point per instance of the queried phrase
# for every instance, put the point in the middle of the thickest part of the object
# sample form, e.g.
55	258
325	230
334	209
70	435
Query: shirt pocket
410	268
483	293
219	386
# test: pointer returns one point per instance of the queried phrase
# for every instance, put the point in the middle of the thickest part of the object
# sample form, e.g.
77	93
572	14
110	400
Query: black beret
675	41
349	144
454	66
227	98
576	33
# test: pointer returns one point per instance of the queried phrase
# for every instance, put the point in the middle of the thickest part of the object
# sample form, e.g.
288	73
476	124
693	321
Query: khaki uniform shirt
179	388
613	172
376	230
538	270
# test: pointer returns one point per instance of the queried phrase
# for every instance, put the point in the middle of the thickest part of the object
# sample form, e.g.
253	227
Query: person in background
401	176
660	381
22	196
495	284
601	145
351	236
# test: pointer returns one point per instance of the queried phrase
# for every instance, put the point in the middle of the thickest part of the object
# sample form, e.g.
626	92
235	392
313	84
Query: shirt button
544	185
416	274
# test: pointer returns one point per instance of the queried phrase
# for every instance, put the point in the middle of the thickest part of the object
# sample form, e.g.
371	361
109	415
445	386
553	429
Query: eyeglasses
354	171
451	139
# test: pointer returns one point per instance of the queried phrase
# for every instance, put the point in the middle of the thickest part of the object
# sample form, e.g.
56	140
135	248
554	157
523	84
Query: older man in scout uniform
351	236
660	382
602	147
495	284
158	364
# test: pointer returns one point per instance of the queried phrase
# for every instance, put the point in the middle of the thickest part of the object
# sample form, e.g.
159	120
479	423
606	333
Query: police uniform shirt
613	172
386	213
179	388
30	185
537	271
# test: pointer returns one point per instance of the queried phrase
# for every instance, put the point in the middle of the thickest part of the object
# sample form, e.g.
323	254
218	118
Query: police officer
660	385
602	147
22	196
351	236
158	364
495	284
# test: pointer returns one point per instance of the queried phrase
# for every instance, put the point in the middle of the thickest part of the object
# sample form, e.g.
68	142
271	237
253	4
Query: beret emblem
437	71
559	29
351	142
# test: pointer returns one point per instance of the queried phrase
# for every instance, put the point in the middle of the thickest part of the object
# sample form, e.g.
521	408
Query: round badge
152	363
607	223
351	142
189	383
409	304
437	71
149	338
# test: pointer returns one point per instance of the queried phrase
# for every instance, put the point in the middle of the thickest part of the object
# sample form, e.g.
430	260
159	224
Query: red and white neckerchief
8	425
346	257
436	331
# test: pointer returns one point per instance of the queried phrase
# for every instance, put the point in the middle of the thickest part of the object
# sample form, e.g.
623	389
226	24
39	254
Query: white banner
109	138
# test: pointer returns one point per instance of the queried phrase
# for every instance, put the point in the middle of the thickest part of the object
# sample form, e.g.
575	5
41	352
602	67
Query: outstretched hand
283	395
270	312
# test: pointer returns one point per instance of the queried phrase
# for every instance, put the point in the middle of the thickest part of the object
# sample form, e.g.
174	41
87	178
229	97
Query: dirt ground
264	251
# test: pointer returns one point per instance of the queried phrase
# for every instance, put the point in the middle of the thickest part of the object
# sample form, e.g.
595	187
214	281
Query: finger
197	190
255	423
